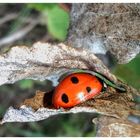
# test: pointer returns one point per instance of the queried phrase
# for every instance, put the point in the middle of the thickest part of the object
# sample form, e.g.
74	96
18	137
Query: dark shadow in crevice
47	100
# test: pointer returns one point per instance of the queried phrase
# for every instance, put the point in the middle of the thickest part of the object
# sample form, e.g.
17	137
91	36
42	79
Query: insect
75	89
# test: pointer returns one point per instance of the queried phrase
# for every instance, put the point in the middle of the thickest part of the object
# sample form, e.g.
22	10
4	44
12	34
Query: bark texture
106	27
112	127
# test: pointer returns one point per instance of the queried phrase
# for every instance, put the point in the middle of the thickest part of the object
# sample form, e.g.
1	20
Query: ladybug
75	89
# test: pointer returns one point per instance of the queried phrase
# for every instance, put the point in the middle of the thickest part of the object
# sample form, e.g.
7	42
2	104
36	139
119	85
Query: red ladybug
75	89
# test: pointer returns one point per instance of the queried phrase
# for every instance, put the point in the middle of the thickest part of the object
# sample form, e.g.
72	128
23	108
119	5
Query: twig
18	35
8	18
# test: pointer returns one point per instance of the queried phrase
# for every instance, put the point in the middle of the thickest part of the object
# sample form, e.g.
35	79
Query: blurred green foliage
41	6
61	125
130	72
55	18
26	84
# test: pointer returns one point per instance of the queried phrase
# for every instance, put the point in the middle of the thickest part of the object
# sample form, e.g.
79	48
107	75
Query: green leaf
130	72
57	21
41	6
55	18
26	84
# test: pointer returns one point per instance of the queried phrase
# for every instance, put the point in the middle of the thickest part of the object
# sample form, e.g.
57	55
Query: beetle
75	89
78	87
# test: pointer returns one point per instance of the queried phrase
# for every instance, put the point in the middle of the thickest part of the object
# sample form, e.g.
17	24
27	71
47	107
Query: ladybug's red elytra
75	89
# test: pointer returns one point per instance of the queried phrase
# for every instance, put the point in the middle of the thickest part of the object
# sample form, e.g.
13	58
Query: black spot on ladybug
65	98
88	89
74	80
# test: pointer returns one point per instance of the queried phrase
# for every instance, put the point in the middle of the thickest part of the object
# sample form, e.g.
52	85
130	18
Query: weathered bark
112	127
106	27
